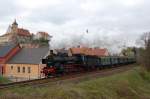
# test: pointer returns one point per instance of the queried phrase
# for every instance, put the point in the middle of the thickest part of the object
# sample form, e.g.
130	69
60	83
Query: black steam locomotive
63	64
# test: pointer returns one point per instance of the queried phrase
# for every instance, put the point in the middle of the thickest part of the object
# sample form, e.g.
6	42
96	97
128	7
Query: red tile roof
90	51
78	50
7	51
23	32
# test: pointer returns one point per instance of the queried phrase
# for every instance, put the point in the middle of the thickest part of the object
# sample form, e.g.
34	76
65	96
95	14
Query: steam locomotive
64	64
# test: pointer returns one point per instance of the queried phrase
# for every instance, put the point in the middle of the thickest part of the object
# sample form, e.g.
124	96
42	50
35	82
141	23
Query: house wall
11	71
4	39
23	39
42	35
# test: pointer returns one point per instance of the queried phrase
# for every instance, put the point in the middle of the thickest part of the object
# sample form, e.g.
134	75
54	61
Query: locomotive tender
62	64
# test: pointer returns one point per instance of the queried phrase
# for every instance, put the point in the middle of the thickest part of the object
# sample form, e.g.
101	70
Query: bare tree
146	52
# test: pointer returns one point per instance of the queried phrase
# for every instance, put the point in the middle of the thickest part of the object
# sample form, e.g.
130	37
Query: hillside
132	84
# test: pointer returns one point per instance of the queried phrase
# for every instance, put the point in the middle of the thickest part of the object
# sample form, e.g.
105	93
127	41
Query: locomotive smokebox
44	61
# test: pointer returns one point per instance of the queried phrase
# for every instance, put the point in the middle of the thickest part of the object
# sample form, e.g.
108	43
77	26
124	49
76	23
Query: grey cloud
108	21
57	15
8	9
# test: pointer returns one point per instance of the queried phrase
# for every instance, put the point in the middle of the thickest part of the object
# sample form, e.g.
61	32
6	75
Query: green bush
4	80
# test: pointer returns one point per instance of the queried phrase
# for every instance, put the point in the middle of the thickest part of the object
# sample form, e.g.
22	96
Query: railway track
71	77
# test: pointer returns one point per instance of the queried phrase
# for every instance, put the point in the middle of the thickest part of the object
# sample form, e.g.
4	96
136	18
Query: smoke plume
114	43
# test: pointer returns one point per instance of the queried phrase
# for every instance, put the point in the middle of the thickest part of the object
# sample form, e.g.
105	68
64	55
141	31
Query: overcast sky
119	21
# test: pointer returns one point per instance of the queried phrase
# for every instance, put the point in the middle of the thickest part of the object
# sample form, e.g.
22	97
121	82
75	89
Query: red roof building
89	51
23	32
42	35
16	35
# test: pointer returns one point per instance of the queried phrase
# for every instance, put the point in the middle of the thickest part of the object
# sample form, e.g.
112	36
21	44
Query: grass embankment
4	80
132	84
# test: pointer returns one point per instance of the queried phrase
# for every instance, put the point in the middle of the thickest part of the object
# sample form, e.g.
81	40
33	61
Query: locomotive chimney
51	52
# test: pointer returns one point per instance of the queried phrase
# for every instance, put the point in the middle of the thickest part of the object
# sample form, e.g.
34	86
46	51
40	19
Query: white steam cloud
114	43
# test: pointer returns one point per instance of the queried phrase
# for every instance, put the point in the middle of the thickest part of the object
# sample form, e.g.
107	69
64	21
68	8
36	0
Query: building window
18	69
23	69
29	69
11	67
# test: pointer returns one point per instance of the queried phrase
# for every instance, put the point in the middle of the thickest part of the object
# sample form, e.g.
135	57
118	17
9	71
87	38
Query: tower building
16	34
